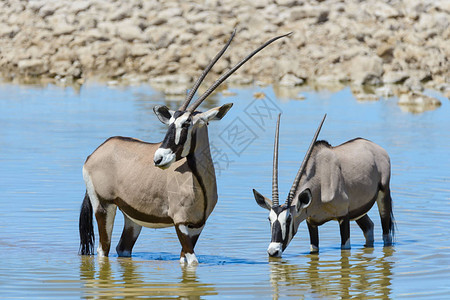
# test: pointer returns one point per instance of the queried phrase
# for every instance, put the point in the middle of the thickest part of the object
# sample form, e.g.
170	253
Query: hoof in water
188	259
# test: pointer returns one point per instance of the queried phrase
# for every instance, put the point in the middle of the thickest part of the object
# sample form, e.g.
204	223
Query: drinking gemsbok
333	183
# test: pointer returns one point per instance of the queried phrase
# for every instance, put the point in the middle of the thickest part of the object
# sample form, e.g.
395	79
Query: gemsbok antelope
156	185
333	183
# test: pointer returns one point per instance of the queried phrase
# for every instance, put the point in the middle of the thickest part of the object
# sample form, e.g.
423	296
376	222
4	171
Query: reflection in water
132	280
362	275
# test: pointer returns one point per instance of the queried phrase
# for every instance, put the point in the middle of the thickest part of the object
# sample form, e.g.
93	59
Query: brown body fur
344	180
122	174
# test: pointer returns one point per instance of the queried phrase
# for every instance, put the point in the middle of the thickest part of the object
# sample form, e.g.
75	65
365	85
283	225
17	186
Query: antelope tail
86	228
392	225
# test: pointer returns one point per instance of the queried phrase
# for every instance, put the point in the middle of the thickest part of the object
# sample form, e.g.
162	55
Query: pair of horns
222	78
275	197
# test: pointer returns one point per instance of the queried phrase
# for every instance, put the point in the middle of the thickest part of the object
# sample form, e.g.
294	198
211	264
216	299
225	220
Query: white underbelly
149	225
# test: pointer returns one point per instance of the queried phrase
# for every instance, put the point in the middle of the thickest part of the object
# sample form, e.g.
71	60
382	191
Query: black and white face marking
282	229
177	142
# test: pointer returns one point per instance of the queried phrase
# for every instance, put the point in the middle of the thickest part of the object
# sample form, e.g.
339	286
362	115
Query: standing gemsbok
333	183
165	184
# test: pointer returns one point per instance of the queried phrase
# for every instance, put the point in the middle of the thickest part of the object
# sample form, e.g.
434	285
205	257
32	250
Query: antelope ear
163	113
262	201
303	200
216	113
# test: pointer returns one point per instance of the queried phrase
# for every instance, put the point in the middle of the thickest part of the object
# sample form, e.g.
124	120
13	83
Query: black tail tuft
86	228
393	225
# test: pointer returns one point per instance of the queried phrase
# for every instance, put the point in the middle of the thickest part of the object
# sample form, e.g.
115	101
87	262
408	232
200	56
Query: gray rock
119	52
60	68
366	70
63	29
138	50
383	10
395	77
162	38
120	14
289	3
185	38
92	35
170	13
9	31
86	57
107	28
386	52
291	80
80	5
302	12
158	21
35	6
118	72
443	87
129	32
259	4
48	9
32	67
149	63
172	67
414	84
323	16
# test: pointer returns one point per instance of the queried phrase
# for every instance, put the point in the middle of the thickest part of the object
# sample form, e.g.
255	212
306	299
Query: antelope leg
105	214
130	233
366	225
313	237
344	225
384	202
188	238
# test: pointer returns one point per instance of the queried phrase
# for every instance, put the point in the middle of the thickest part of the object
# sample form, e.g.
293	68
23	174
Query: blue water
47	132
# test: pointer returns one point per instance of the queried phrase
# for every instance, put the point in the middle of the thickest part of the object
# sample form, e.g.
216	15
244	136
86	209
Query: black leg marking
129	236
344	225
387	217
366	225
313	237
194	240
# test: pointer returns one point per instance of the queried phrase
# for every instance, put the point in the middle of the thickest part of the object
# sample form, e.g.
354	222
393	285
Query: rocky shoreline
402	46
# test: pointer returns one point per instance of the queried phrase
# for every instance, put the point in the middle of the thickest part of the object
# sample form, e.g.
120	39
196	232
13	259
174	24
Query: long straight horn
275	198
231	71
205	72
303	165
